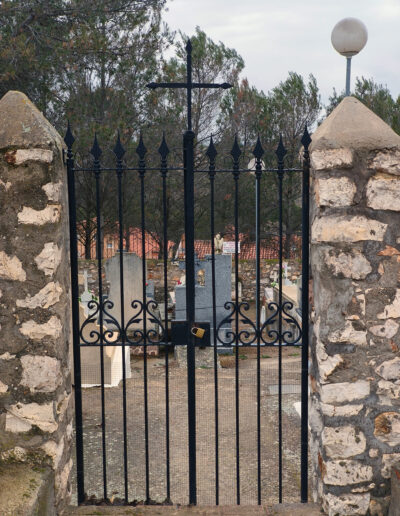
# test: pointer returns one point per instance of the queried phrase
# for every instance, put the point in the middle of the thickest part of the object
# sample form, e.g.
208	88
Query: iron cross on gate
188	166
189	85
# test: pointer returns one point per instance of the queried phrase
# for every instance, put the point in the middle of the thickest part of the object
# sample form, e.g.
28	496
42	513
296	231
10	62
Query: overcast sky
275	37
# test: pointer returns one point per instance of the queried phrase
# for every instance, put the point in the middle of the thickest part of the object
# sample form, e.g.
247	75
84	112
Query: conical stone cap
23	126
352	125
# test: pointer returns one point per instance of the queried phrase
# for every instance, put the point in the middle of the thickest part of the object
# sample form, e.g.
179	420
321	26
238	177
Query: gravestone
203	294
86	296
133	291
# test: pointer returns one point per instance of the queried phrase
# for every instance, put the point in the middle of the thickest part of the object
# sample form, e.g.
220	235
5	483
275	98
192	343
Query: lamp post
348	37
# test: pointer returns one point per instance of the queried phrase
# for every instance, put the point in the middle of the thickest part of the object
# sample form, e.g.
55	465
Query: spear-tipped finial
95	150
69	137
141	149
258	151
280	150
211	151
306	138
163	150
119	150
236	152
189	46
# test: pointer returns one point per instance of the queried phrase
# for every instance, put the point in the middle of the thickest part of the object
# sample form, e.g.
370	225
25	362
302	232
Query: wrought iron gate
280	329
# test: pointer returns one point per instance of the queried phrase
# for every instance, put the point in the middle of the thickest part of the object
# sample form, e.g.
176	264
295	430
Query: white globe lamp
349	36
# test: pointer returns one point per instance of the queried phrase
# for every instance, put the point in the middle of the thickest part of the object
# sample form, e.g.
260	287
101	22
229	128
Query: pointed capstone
352	125
23	126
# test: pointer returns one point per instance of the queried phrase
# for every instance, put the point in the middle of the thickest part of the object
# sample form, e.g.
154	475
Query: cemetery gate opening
198	433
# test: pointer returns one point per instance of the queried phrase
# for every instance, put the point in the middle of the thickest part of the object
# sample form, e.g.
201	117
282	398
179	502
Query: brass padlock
198	332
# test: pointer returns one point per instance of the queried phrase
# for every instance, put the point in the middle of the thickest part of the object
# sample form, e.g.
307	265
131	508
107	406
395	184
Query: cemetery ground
205	431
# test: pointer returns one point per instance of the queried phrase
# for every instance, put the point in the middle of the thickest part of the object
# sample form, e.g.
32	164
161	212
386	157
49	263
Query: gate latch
198	332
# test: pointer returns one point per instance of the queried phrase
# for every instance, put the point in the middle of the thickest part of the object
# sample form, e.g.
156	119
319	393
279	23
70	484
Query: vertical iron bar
142	172
258	325
188	159
304	317
96	165
189	82
119	171
236	154
164	171
69	140
212	154
280	195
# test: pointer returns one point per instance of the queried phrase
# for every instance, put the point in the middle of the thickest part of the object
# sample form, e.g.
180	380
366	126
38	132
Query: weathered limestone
343	442
334	192
355	261
35	385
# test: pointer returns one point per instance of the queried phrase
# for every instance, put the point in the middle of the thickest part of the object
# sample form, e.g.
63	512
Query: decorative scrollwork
288	336
97	334
271	337
139	336
94	335
244	336
135	336
109	334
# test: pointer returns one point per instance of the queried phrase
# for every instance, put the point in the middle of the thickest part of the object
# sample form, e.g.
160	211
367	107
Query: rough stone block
387	428
11	268
348	265
389	460
349	335
344	392
31	414
331	158
36	331
346	472
345	228
334	191
390	369
387	330
40	373
341	411
387	162
347	504
393	309
49	258
49	215
383	193
46	297
343	442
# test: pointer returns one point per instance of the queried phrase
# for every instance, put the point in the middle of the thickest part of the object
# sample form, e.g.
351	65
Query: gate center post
188	160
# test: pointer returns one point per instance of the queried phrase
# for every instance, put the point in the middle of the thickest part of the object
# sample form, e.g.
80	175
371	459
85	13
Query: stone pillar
35	385
355	261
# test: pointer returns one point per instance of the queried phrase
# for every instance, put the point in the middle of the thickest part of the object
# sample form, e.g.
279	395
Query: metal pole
69	140
188	146
348	72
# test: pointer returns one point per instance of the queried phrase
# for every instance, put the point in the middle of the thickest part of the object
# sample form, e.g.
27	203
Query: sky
275	37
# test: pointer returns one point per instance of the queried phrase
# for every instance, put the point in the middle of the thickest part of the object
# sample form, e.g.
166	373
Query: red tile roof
269	248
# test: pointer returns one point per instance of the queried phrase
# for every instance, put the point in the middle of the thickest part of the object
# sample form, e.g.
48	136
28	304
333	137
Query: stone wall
35	386
355	259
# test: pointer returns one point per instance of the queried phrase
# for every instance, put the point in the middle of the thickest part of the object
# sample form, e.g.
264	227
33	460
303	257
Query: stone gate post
35	384
355	260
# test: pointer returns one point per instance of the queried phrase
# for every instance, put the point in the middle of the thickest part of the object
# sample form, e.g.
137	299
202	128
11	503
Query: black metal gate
280	329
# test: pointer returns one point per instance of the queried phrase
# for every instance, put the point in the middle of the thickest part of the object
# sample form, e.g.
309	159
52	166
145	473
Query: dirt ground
205	411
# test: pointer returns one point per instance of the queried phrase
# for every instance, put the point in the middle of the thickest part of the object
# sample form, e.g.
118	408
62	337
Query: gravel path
205	433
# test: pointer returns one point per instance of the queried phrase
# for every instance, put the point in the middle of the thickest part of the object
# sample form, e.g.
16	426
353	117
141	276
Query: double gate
228	453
